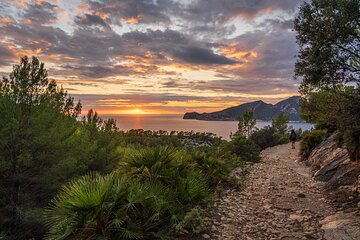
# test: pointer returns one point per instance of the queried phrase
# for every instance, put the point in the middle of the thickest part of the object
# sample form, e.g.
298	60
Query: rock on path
281	201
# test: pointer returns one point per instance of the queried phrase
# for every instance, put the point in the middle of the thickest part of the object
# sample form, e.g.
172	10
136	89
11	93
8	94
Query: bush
310	140
266	137
168	167
246	149
279	124
156	193
216	165
192	222
110	207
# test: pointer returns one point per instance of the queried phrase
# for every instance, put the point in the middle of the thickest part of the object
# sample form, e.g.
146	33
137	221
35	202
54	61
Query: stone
296	218
205	236
301	195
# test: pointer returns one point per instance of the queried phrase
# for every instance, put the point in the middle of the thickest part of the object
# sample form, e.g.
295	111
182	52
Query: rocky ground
281	201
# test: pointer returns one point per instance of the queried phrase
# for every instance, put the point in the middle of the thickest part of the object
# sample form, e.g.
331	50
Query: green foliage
277	133
42	146
281	128
328	35
247	123
329	56
110	207
216	165
244	148
310	140
168	167
155	193
150	138
192	222
266	137
337	109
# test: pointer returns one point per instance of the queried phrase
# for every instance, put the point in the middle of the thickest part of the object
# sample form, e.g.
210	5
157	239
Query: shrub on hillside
244	148
310	140
111	207
155	193
168	167
265	137
216	165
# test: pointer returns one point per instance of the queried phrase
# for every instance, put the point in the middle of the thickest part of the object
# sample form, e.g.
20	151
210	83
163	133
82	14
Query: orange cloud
6	21
22	3
103	16
233	52
28	21
132	20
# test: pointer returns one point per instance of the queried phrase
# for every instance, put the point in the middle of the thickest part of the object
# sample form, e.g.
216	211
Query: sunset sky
157	56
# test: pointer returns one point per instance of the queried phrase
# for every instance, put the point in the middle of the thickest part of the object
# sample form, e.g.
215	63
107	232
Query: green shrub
246	149
171	168
310	140
266	137
279	124
156	193
193	222
110	207
216	165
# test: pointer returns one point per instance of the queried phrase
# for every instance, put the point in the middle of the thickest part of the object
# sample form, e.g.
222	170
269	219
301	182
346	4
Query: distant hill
262	111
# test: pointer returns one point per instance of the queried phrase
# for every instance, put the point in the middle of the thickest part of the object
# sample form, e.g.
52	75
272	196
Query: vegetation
247	123
328	63
265	137
42	146
281	128
277	133
310	141
243	147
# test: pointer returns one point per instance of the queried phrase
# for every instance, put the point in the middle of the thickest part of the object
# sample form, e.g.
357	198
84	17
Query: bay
176	123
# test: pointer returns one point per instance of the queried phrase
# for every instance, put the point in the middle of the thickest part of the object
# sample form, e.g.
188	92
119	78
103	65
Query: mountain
262	111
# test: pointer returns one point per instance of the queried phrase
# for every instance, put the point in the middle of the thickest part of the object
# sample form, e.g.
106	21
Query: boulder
341	226
334	165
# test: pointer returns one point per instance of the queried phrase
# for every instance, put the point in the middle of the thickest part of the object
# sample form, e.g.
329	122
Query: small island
262	111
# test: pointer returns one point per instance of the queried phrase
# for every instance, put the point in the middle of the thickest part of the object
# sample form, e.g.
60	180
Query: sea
172	122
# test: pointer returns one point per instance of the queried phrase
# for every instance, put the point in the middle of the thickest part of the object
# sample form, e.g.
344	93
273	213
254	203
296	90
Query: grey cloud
107	71
250	86
90	20
33	37
202	56
145	11
222	11
42	13
237	86
278	24
6	56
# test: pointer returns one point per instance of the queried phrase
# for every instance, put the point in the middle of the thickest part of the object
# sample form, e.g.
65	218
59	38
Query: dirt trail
280	201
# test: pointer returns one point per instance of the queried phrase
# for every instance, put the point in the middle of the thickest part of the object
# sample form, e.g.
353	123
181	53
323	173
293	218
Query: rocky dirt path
280	201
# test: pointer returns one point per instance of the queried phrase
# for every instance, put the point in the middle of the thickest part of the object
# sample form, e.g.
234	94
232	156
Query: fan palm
109	207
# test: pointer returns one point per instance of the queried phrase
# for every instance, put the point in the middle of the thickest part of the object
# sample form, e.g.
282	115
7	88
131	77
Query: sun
138	110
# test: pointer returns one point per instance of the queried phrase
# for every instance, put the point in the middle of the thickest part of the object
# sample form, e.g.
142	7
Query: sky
157	56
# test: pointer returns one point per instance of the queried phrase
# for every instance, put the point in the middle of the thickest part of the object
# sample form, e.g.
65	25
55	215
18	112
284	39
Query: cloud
130	11
184	48
7	56
90	20
222	11
202	56
40	13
